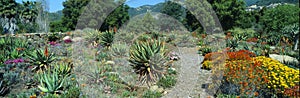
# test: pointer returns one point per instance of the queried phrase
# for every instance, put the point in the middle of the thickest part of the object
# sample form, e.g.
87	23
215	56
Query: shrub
167	82
151	94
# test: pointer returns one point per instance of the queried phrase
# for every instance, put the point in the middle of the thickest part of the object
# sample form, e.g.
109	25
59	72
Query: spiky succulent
51	82
41	59
146	57
63	69
3	88
107	38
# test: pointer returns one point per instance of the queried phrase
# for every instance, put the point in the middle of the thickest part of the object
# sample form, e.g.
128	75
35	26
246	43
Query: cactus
145	59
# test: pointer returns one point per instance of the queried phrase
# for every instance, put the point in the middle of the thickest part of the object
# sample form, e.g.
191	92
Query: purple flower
8	62
53	43
14	61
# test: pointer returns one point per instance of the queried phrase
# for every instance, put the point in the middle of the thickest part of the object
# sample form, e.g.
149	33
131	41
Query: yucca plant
41	59
141	54
51	82
63	69
107	38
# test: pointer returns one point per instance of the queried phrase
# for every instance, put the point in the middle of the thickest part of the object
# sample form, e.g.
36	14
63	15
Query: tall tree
173	9
231	13
8	15
94	15
115	19
71	12
42	18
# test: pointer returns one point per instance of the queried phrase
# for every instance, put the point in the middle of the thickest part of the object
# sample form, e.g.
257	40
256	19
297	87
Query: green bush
151	94
167	82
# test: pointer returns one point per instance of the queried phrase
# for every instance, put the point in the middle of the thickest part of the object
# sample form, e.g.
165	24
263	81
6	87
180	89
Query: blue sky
55	5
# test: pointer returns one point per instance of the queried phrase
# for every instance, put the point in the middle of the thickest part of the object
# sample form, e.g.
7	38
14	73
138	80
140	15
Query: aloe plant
41	59
3	88
63	69
141	54
107	38
51	82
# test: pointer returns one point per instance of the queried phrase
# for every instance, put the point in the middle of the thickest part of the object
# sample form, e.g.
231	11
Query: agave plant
63	69
3	88
107	38
41	59
51	82
141	54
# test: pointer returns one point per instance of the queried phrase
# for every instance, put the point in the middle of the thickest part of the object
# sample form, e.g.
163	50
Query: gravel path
190	76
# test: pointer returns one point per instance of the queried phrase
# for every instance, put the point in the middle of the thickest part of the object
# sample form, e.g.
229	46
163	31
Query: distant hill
143	9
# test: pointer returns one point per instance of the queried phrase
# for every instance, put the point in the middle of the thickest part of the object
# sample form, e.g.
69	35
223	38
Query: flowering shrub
281	76
254	75
293	91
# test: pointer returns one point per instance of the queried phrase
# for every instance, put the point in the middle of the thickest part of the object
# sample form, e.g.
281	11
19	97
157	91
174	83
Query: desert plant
107	38
41	60
167	82
151	94
63	69
120	50
3	88
140	58
51	82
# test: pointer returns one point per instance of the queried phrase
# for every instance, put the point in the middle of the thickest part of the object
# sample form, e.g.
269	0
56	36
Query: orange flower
256	94
33	96
115	29
46	51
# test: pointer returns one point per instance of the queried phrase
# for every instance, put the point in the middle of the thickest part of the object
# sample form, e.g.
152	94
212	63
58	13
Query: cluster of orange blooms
254	73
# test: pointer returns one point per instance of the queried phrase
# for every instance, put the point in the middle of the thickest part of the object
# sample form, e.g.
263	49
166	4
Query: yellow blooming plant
280	75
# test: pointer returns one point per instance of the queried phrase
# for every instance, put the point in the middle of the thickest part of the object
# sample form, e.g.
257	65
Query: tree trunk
297	42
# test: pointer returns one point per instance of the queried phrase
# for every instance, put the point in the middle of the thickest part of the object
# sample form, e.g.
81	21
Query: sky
56	5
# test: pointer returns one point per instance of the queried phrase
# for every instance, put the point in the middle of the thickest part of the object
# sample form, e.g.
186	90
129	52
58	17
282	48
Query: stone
160	89
77	39
154	88
284	58
110	62
67	38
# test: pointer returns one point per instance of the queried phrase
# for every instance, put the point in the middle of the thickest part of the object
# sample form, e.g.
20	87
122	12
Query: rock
284	58
165	92
67	38
77	39
154	88
110	62
160	89
272	47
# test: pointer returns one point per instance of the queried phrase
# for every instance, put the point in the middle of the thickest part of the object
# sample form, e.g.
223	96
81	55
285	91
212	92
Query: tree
203	13
94	15
42	19
275	19
231	13
173	9
71	12
118	17
8	15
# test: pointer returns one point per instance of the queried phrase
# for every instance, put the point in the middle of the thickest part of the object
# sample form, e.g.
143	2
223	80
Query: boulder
77	39
67	38
284	58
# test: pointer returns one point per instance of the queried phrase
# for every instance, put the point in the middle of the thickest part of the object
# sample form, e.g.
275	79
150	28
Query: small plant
63	69
151	94
167	82
41	59
51	82
120	50
107	38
